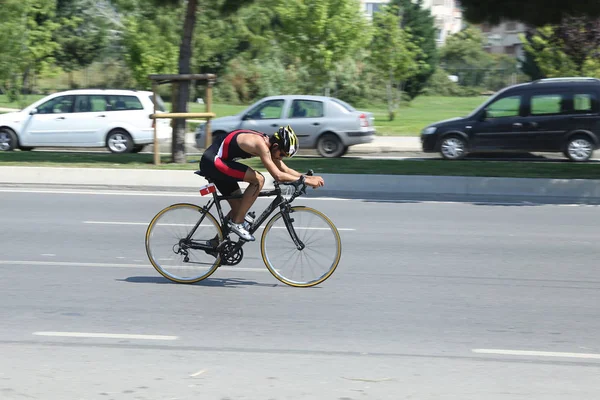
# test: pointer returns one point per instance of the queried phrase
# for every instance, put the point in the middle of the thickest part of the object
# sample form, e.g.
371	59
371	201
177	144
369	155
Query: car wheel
8	139
329	145
579	148
119	141
453	147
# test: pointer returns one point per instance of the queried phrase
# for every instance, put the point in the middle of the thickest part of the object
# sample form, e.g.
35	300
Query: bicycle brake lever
310	172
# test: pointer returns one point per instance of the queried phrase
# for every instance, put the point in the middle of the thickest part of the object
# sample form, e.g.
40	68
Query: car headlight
429	131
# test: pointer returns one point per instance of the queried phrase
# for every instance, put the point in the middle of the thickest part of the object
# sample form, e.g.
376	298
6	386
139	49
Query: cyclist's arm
276	173
313	181
282	167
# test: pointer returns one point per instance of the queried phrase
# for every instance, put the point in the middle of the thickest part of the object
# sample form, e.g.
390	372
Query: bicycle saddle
200	173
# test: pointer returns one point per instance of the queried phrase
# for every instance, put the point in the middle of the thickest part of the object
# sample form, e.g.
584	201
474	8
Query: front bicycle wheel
315	262
174	253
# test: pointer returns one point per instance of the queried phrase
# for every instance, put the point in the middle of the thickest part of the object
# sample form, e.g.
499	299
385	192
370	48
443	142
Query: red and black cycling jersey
229	149
218	163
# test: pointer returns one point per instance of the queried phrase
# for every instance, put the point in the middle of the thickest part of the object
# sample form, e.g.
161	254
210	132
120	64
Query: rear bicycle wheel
172	254
315	262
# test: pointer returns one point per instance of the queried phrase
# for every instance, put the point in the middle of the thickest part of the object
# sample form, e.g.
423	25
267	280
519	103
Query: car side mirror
246	117
33	112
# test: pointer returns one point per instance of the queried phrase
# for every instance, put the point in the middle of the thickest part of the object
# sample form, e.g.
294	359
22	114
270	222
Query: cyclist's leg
256	182
230	187
241	172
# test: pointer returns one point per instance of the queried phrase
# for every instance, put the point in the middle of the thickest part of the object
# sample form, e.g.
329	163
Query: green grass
345	165
424	110
409	121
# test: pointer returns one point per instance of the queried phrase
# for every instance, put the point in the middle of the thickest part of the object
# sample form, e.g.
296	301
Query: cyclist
218	163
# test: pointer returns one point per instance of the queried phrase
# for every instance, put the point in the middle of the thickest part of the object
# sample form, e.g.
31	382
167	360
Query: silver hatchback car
323	123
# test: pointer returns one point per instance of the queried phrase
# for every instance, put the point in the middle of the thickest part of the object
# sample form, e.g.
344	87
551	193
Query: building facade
504	38
446	13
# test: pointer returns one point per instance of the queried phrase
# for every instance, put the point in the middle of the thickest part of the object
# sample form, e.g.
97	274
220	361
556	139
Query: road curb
343	185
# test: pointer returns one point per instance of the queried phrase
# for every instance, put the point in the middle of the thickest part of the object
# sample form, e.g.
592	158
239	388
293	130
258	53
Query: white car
324	123
116	119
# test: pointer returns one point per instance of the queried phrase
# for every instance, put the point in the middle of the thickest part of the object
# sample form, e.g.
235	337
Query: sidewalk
388	187
388	144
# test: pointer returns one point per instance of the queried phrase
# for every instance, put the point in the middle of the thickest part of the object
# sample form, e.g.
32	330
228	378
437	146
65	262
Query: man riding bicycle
218	163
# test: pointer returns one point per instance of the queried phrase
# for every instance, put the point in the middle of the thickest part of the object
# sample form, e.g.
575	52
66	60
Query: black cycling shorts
224	174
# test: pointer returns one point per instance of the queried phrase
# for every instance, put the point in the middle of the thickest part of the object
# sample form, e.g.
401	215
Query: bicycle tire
163	238
313	228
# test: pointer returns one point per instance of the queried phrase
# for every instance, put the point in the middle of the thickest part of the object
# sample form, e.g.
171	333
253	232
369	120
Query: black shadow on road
209	282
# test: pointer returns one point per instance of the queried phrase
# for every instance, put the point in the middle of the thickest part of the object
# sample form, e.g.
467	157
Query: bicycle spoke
166	243
311	265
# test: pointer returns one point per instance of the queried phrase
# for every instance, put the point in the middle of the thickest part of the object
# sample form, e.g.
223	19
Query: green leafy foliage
321	33
27	49
463	55
419	22
571	48
393	54
151	43
81	36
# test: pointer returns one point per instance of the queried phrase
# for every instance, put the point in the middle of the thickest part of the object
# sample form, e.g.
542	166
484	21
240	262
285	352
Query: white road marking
72	264
198	373
110	265
106	335
48	255
193	193
146	224
536	353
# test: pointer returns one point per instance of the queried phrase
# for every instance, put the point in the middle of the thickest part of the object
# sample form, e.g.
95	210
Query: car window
93	103
60	104
505	107
306	109
545	104
585	103
160	104
123	103
267	110
343	104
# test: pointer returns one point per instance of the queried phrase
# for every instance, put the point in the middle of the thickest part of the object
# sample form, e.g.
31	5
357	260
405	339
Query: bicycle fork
288	221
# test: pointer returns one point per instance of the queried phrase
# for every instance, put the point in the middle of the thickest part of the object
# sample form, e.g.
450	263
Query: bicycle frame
279	201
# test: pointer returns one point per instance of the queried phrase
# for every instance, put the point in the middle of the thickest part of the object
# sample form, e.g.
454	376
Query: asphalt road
430	301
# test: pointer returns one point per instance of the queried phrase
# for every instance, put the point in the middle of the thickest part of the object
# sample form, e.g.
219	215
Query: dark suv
547	115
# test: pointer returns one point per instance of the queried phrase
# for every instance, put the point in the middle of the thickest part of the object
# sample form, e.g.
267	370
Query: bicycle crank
230	256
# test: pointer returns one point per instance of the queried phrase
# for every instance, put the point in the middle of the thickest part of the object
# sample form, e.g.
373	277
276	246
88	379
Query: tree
529	66
12	45
532	12
27	47
249	32
82	34
322	33
419	22
393	54
151	41
463	55
184	64
571	48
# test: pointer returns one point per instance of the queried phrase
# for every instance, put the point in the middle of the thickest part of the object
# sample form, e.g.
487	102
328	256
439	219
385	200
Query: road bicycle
299	245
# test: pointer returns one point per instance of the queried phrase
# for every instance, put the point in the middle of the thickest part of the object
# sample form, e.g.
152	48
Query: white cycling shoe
239	230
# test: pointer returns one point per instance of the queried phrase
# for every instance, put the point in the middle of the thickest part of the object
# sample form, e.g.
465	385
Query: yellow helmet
287	140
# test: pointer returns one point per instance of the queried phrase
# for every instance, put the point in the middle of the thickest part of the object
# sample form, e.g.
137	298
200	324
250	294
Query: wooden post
174	109
154	124
207	131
